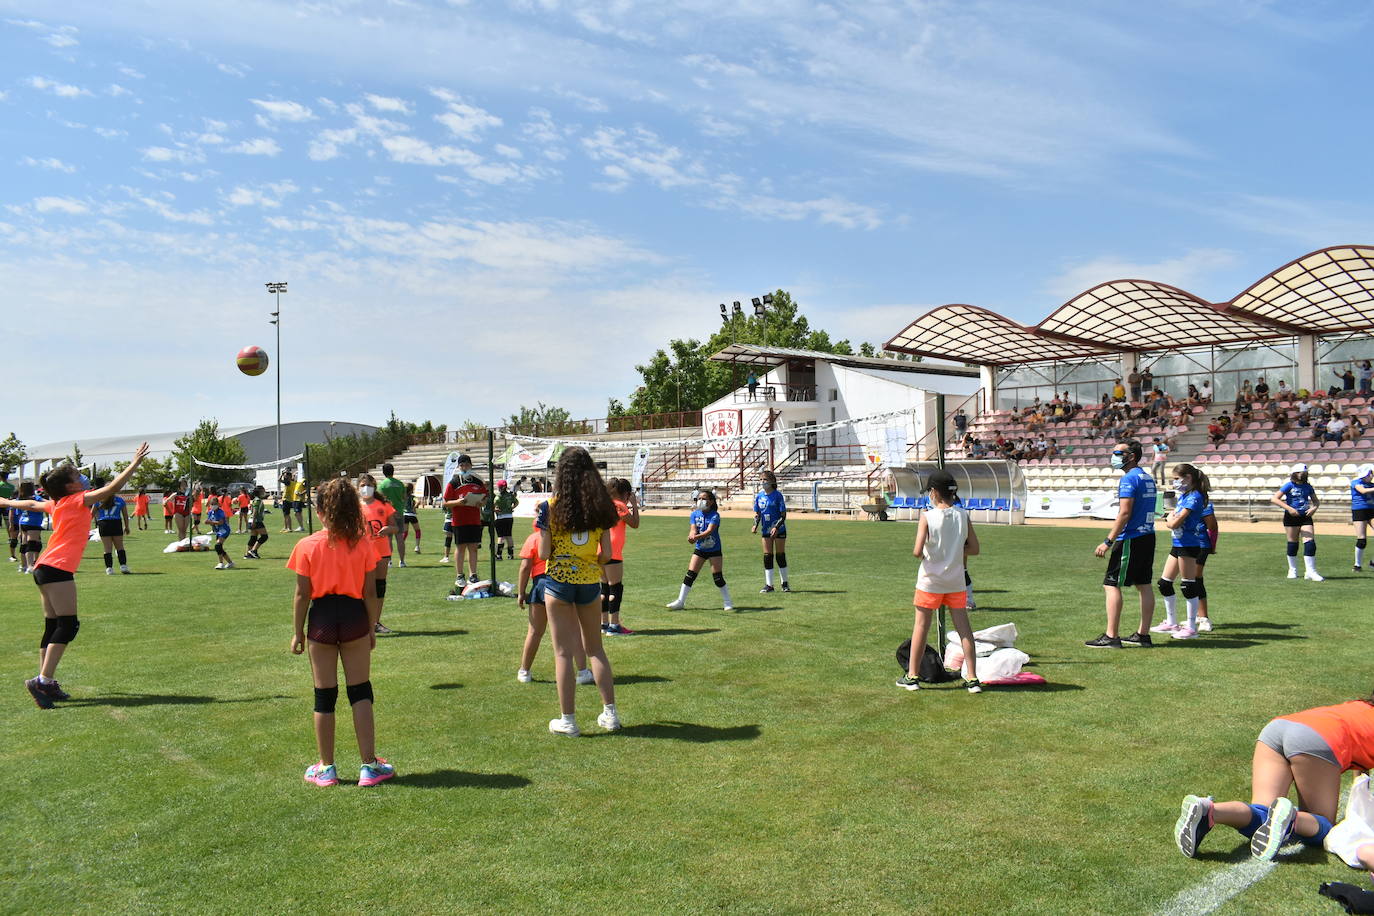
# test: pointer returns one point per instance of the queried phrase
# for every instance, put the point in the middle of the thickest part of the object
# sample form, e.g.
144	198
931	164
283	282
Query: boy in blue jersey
1362	510
219	527
1131	543
770	514
703	534
1299	502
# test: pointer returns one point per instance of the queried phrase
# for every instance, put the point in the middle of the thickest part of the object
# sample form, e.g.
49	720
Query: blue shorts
222	531
569	593
537	588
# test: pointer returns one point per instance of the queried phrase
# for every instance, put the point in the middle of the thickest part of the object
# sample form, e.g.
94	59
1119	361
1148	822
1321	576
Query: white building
800	389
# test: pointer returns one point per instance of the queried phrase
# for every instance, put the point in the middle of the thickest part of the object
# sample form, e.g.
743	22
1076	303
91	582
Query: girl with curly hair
336	610
574	535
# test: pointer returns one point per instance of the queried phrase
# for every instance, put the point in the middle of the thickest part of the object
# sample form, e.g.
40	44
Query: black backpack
932	669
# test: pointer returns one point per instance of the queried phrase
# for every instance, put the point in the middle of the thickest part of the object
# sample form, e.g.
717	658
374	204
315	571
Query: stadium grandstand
1244	388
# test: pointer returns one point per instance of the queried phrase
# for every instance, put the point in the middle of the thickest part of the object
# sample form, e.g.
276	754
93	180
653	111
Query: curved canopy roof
1327	291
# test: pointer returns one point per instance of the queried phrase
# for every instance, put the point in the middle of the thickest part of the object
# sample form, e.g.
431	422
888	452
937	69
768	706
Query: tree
204	442
75	458
683	377
542	420
153	474
12	453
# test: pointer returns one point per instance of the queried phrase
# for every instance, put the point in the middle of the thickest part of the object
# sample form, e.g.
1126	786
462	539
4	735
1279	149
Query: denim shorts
1293	738
569	593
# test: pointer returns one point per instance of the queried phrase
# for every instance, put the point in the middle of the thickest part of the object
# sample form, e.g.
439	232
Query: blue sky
483	204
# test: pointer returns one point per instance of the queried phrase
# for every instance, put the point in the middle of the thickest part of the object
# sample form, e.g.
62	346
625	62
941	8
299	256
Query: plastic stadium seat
1001	504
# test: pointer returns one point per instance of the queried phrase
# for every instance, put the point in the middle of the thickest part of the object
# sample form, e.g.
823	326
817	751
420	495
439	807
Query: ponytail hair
1200	481
57	482
619	488
341	511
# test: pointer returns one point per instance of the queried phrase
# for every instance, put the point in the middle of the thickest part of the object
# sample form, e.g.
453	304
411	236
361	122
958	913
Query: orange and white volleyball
252	360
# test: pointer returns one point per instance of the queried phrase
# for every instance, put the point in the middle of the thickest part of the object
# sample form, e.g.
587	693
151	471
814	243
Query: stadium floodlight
739	310
724	313
767	298
276	289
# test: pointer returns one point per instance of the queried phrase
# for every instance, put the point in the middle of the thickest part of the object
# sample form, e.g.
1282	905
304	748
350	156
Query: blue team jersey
700	522
1360	500
32	518
769	507
1193	531
1140	486
114	513
216	520
1298	496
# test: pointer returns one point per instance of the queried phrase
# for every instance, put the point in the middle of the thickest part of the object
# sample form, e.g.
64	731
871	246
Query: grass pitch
768	764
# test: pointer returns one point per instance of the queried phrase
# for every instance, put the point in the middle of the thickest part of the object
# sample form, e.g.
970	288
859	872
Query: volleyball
252	360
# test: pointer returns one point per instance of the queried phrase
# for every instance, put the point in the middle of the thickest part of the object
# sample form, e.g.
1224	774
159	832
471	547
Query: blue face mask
1180	486
85	481
1118	461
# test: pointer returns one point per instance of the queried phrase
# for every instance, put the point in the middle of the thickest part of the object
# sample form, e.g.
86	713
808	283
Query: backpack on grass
932	668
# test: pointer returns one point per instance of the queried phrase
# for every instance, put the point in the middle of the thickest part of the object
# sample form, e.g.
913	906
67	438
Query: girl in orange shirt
168	497
70	503
1311	749
381	522
141	508
335	610
613	573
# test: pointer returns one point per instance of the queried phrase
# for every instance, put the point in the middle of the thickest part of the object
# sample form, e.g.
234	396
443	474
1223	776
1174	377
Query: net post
309	502
491	502
940	430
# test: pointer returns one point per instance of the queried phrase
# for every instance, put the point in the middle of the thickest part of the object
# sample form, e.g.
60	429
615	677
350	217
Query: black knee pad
1189	588
1166	587
1361	542
49	626
1292	548
33	546
617	593
689	578
14	542
782	561
1309	548
1201	587
65	631
262	539
767	561
359	692
381	588
326	698
109	560
719	579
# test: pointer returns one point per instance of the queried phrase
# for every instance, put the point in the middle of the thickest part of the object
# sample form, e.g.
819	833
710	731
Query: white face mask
367	491
702	504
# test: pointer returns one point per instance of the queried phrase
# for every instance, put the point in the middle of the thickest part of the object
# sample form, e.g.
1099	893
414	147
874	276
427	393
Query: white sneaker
1204	624
403	564
523	676
109	570
124	570
219	566
388	564
728	607
1185	632
14	559
1164	627
1292	573
609	721
559	727
675	605
1313	576
229	565
585	676
298	530
443	559
417	550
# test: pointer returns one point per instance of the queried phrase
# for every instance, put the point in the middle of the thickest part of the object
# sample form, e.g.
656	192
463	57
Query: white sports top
942	560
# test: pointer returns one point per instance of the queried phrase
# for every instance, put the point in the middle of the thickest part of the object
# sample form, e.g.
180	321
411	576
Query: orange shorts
932	600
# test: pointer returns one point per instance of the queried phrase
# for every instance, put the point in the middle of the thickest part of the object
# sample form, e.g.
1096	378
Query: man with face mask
1131	543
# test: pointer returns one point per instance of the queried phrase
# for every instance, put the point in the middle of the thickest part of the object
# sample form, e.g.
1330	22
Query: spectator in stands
1304	412
1347	381
1225	421
1052	448
1095	427
1106	400
1261	389
1366	378
1284	393
1205	392
1281	422
1247	391
1036	423
1318	429
1159	402
1134	381
978	449
1159	453
1194	398
1147	380
752	383
1118	391
960	421
1356	428
1215	434
1270	409
1335	430
1244	410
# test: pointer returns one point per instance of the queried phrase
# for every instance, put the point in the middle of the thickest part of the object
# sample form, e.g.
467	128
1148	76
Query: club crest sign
723	424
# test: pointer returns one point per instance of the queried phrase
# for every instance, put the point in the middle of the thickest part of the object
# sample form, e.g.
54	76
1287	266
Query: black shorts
467	534
411	518
44	575
504	526
243	510
1296	521
30	527
1132	562
1362	515
1193	552
1202	557
706	554
335	619
110	528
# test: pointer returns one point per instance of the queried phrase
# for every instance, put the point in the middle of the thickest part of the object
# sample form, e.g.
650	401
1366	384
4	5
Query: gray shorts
1293	738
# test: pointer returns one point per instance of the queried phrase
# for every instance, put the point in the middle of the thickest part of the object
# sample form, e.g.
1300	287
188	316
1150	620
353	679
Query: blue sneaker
322	774
1193	824
1274	832
375	773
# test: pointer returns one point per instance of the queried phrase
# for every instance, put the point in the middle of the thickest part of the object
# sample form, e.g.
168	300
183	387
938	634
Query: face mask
1118	462
702	504
1180	486
367	491
85	481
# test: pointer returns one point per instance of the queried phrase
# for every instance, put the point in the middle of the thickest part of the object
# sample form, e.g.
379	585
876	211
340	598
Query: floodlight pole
277	288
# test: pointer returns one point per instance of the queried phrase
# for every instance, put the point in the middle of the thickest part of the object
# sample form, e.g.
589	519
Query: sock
782	571
610	707
1293	564
1258	815
44	680
968	595
1192	612
682	593
569	718
1171	609
109	560
1359	556
1310	563
123	558
768	576
725	595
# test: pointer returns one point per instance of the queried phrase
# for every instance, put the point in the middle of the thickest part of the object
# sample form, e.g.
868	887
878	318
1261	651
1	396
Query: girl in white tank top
944	538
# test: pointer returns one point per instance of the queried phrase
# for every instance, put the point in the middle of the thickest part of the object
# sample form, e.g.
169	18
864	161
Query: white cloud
115	90
326	145
62	38
509	152
417	152
385	103
832	211
467	121
581	100
59	205
168	154
282	111
1187	271
131	73
61	90
109	133
268	195
261	146
167	212
56	165
231	70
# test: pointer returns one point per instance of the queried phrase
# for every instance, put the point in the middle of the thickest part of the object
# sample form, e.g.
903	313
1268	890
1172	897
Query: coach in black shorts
1131	542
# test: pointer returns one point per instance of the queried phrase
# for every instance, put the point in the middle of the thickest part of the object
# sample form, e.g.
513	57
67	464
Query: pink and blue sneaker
375	773
322	774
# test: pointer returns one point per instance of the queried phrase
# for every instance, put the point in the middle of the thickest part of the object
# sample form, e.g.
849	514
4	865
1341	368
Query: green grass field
768	764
